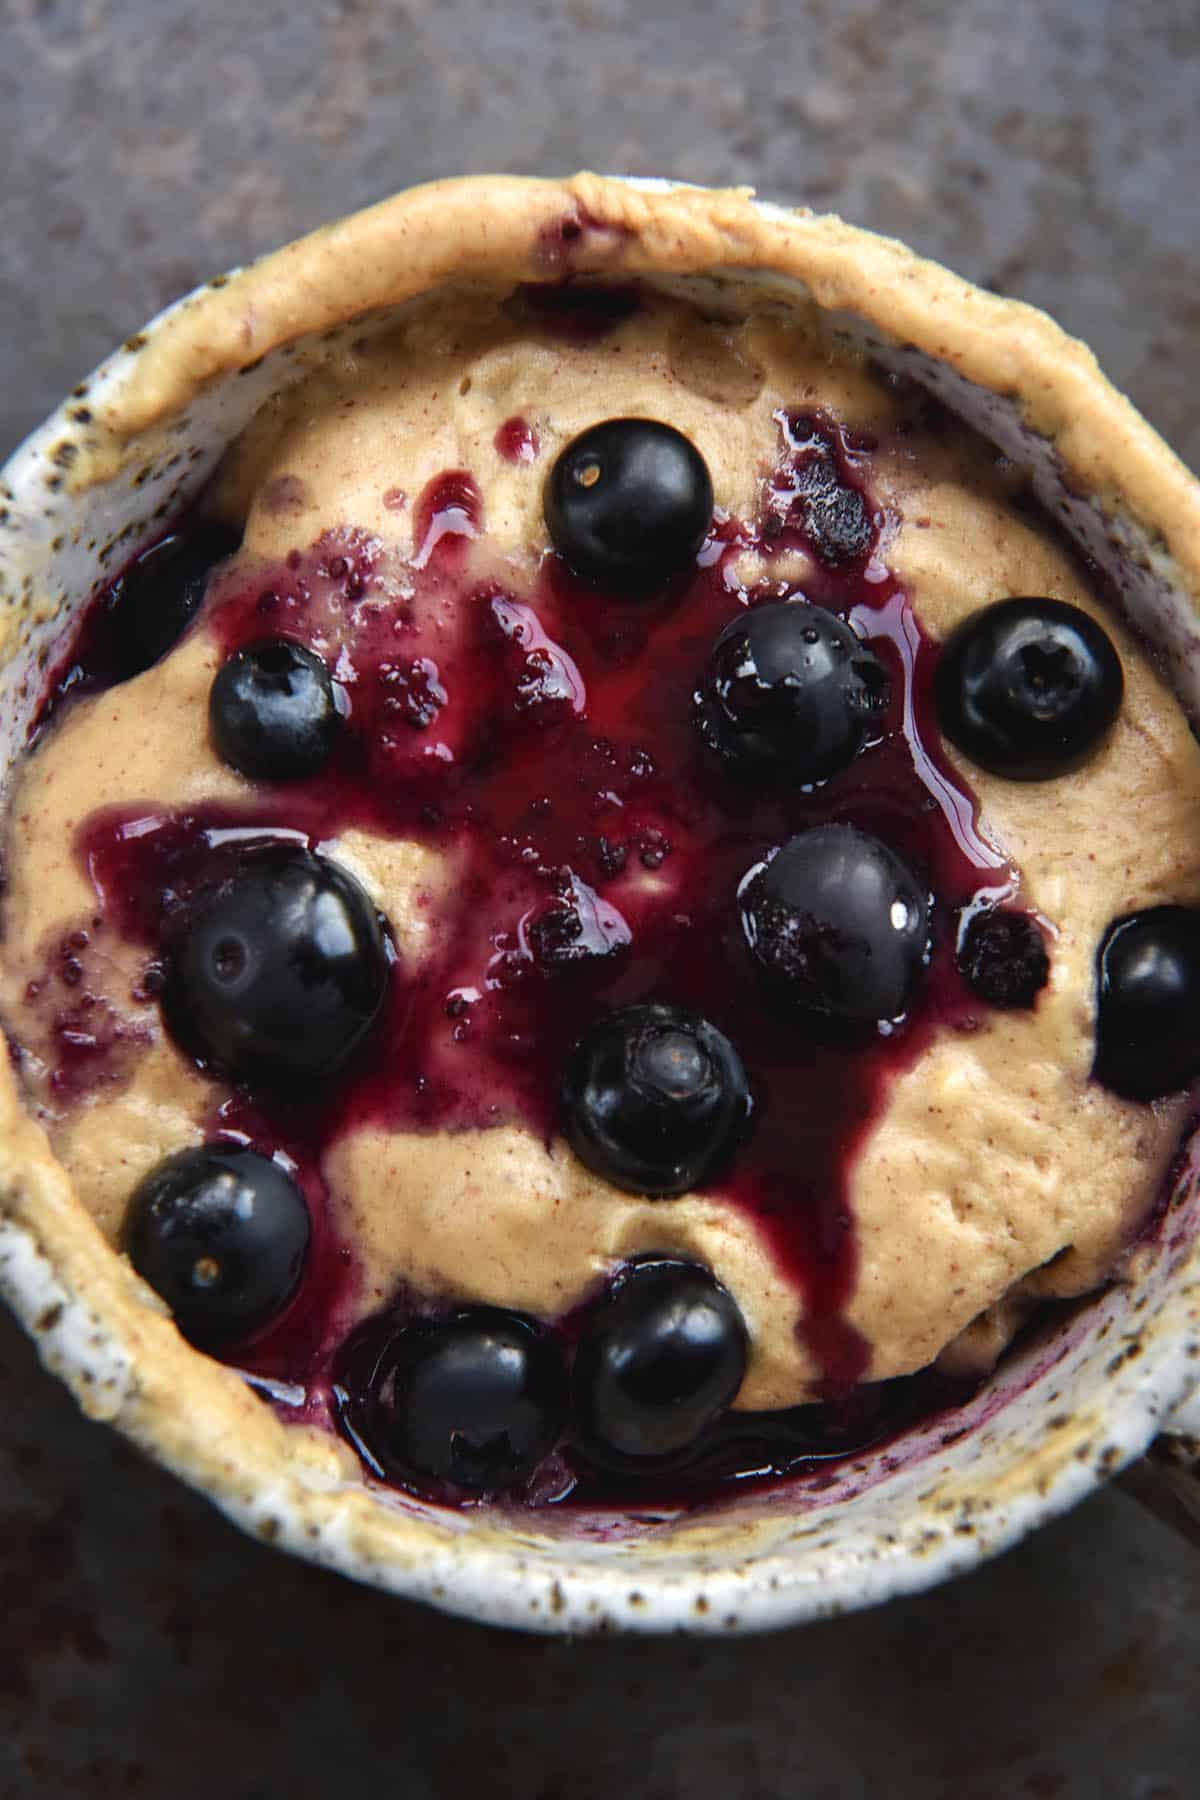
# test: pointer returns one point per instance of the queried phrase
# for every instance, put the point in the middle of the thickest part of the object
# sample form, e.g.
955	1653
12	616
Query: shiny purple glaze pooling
516	440
541	734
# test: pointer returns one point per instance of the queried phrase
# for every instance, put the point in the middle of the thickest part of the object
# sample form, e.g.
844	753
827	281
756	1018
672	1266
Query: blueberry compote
540	735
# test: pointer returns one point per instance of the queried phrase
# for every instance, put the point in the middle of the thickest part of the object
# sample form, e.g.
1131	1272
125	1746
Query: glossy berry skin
1002	957
654	1099
221	1233
790	688
473	1402
153	603
662	1355
1028	688
838	927
1148	1013
273	713
278	973
628	504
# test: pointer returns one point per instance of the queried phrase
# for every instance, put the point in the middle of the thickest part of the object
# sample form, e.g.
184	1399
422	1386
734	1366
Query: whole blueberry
273	712
1028	688
152	604
1148	1014
662	1355
790	687
278	972
474	1401
838	926
628	504
654	1099
221	1233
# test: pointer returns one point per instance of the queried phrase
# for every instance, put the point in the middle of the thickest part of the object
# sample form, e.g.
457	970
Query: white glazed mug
1077	1404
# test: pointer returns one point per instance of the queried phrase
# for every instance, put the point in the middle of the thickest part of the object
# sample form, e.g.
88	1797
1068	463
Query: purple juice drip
517	441
89	1041
574	312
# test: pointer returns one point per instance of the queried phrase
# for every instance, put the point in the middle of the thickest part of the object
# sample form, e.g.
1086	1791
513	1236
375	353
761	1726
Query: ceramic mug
129	447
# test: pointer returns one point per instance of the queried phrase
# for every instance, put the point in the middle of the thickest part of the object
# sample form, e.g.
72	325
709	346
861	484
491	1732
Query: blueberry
1148	1016
790	687
837	925
221	1233
152	604
272	711
628	503
1002	958
1028	688
836	522
661	1357
475	1401
654	1099
832	516
278	972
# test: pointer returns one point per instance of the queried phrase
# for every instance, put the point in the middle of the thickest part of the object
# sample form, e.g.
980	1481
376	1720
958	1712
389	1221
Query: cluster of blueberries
281	971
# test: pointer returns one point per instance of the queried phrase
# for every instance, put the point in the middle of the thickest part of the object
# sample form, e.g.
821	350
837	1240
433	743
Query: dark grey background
1047	149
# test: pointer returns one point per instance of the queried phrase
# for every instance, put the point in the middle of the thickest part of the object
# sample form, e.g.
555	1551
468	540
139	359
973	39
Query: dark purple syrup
542	736
516	440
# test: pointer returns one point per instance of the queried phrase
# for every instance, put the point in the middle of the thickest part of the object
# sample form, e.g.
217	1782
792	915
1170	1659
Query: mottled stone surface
1045	147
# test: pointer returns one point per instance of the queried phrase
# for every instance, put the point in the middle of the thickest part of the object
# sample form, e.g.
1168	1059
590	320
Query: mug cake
610	911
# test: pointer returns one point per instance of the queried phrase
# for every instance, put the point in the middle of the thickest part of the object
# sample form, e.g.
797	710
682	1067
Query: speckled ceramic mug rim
1060	1416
